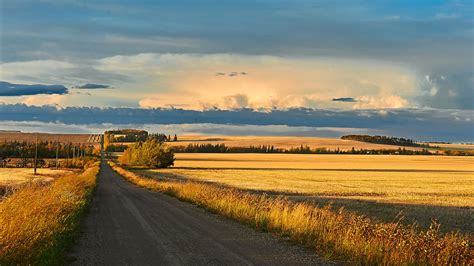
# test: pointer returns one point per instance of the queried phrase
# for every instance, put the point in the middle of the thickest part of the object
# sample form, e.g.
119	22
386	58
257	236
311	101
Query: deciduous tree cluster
151	153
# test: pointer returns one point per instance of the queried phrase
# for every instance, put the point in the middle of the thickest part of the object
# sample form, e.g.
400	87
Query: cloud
190	129
232	74
421	124
344	99
92	86
38	100
154	80
236	101
160	80
10	89
170	54
281	82
83	93
450	88
302	29
68	73
381	102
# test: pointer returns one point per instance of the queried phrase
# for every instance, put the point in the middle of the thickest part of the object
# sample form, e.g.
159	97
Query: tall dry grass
334	235
38	222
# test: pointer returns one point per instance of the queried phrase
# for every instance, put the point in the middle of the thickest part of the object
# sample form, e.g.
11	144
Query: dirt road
128	225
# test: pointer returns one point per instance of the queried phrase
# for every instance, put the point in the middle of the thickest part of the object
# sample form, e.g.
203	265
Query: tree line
46	149
158	136
304	149
130	136
163	137
125	135
385	140
22	153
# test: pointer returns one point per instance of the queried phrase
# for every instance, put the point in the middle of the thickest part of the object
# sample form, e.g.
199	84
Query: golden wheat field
422	187
324	161
430	188
335	234
15	176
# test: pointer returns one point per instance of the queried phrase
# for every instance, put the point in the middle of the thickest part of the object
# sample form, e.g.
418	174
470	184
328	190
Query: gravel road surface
128	225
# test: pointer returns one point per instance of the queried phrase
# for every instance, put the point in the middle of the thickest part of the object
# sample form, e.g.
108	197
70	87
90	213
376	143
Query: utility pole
57	154
36	153
67	154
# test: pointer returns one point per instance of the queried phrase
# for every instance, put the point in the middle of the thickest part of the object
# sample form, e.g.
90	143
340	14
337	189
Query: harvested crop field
324	161
421	187
15	176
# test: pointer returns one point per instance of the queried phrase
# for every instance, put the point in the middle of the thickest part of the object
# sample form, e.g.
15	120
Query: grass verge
335	235
38	223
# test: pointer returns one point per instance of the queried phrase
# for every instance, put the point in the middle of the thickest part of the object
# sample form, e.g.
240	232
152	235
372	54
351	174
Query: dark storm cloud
449	88
231	74
345	99
93	86
10	89
420	124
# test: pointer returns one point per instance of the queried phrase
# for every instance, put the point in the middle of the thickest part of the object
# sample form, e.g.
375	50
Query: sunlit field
421	187
430	188
15	176
324	161
335	234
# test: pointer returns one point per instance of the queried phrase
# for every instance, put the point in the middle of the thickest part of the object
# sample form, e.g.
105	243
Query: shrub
151	153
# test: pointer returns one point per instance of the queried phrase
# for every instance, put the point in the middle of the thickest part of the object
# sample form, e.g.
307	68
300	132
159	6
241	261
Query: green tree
151	153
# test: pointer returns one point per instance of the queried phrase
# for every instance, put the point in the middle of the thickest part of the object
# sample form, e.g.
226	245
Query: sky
263	55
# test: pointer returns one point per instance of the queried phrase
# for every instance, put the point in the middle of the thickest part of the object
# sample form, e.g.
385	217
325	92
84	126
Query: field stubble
420	188
15	176
335	235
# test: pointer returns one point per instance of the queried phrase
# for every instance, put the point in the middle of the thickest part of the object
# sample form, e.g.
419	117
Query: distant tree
107	140
159	137
175	138
125	135
40	163
116	148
